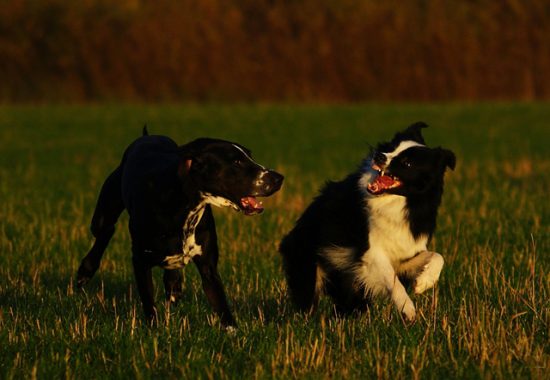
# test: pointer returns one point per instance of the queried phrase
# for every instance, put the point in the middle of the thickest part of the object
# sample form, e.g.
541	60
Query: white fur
247	156
430	275
389	228
216	200
340	257
190	246
403	146
392	247
370	174
390	243
260	179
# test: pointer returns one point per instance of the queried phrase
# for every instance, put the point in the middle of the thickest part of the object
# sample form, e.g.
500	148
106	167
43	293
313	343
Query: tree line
274	50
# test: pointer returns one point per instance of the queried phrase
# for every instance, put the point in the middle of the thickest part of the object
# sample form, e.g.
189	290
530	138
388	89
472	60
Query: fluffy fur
368	234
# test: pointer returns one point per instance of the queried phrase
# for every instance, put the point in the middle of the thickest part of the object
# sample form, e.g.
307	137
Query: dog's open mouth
382	183
251	206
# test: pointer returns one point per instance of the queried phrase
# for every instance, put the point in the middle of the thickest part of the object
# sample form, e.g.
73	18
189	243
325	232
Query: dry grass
488	318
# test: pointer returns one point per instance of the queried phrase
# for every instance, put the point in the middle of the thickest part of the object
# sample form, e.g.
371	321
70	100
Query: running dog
368	234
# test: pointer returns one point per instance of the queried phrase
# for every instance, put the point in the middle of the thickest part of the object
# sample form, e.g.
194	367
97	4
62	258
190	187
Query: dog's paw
408	312
85	272
429	275
173	297
231	330
81	281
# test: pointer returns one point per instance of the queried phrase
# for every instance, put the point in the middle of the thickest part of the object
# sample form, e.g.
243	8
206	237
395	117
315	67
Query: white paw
430	275
409	312
231	330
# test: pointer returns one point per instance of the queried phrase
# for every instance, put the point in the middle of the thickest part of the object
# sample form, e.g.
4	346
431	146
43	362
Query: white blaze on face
403	146
369	174
248	157
260	179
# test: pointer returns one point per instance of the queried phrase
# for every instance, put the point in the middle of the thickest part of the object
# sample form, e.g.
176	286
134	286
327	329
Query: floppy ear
448	158
185	166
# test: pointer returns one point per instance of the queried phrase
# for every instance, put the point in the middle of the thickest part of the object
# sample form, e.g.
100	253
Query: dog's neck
194	217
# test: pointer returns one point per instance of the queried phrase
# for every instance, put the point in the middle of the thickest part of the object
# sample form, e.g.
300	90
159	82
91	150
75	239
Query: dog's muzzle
267	183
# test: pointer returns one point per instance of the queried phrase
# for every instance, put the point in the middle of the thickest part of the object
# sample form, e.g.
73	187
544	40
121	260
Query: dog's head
406	166
226	175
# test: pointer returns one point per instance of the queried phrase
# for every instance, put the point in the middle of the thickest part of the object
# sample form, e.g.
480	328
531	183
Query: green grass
488	318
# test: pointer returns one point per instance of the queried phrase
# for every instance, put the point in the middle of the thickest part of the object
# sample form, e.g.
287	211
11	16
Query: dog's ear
448	158
185	166
413	132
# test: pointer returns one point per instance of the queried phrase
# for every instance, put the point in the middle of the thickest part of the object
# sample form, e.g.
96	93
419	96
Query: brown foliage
305	50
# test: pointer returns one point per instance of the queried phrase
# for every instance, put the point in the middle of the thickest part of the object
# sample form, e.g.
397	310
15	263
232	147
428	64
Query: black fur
339	217
159	183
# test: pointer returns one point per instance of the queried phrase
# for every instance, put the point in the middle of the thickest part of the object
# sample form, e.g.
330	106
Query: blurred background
273	50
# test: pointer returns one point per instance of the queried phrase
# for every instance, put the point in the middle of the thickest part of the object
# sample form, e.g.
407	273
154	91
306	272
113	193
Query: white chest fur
389	229
190	246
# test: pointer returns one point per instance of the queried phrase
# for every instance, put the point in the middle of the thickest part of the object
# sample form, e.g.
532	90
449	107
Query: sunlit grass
489	316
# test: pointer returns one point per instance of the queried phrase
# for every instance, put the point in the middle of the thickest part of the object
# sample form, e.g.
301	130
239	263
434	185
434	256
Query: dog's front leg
144	281
429	272
172	279
213	288
379	276
207	264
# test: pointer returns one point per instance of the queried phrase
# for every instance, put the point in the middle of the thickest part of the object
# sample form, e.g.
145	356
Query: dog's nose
269	182
277	180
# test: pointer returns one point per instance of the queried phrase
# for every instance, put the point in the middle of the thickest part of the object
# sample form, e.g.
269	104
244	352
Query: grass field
488	318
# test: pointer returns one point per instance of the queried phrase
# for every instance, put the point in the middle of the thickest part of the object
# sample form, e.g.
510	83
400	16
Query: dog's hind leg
172	284
144	281
305	278
108	209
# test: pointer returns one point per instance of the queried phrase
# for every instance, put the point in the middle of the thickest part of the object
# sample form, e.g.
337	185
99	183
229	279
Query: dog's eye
406	162
238	162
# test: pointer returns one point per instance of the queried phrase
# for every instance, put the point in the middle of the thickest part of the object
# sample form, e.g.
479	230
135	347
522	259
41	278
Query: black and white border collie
168	191
368	234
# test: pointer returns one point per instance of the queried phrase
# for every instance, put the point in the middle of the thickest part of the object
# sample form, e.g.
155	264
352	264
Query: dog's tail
108	209
302	272
145	132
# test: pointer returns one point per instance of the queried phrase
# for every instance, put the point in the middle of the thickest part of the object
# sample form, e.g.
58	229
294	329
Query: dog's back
334	218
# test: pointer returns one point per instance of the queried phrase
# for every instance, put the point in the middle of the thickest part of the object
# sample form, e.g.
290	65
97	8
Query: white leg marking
247	156
377	275
430	275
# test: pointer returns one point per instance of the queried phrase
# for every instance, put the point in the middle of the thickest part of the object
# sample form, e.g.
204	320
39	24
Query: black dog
168	191
362	235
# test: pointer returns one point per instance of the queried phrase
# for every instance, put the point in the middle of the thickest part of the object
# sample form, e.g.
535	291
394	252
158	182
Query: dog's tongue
251	205
381	183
